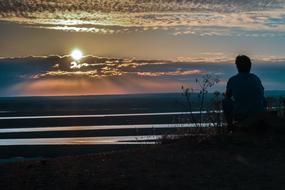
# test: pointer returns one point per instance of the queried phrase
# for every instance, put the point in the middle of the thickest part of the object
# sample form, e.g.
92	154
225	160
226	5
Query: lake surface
136	138
18	140
101	115
55	126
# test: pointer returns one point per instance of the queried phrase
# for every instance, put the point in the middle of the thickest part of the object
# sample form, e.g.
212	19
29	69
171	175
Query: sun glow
76	54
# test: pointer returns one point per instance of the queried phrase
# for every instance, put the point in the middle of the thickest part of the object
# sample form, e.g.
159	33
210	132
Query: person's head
243	64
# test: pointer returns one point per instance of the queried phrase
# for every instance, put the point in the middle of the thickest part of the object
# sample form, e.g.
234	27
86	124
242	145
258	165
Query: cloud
178	72
101	67
201	17
60	75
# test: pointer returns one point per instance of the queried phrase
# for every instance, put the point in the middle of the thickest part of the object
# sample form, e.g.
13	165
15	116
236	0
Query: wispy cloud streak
225	17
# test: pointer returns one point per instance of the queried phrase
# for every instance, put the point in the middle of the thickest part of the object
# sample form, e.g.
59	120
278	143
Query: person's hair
243	64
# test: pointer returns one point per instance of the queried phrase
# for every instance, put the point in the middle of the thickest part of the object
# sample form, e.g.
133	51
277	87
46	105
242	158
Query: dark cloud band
39	73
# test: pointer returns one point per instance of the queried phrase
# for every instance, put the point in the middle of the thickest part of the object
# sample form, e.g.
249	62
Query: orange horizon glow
81	87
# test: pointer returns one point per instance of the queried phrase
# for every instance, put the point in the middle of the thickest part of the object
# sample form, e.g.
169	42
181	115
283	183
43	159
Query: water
99	127
103	115
58	125
114	139
138	139
120	140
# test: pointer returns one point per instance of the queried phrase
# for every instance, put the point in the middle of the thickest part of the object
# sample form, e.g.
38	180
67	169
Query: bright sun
76	54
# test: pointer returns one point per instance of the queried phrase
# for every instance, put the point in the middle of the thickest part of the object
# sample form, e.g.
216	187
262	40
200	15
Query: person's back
244	93
247	92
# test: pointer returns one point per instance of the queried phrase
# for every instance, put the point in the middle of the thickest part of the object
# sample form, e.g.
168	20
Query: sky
136	46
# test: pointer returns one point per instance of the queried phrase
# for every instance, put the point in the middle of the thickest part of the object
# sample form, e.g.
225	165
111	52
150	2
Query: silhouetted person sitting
244	95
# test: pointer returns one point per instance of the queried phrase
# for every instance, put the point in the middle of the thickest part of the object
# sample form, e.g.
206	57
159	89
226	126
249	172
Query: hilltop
240	160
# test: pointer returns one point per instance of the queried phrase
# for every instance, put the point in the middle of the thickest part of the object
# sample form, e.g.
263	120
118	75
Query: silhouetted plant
214	112
282	106
187	93
276	104
210	111
204	83
269	102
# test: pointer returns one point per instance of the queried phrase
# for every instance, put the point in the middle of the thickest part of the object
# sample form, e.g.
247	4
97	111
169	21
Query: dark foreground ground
241	160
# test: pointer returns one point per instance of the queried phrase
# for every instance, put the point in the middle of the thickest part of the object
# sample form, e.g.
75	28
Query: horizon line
115	94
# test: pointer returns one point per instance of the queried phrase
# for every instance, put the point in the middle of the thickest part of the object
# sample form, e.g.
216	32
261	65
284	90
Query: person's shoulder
254	76
231	82
233	78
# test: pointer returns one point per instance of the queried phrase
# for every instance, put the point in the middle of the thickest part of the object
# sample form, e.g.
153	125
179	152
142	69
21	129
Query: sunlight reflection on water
110	140
101	115
98	127
82	140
